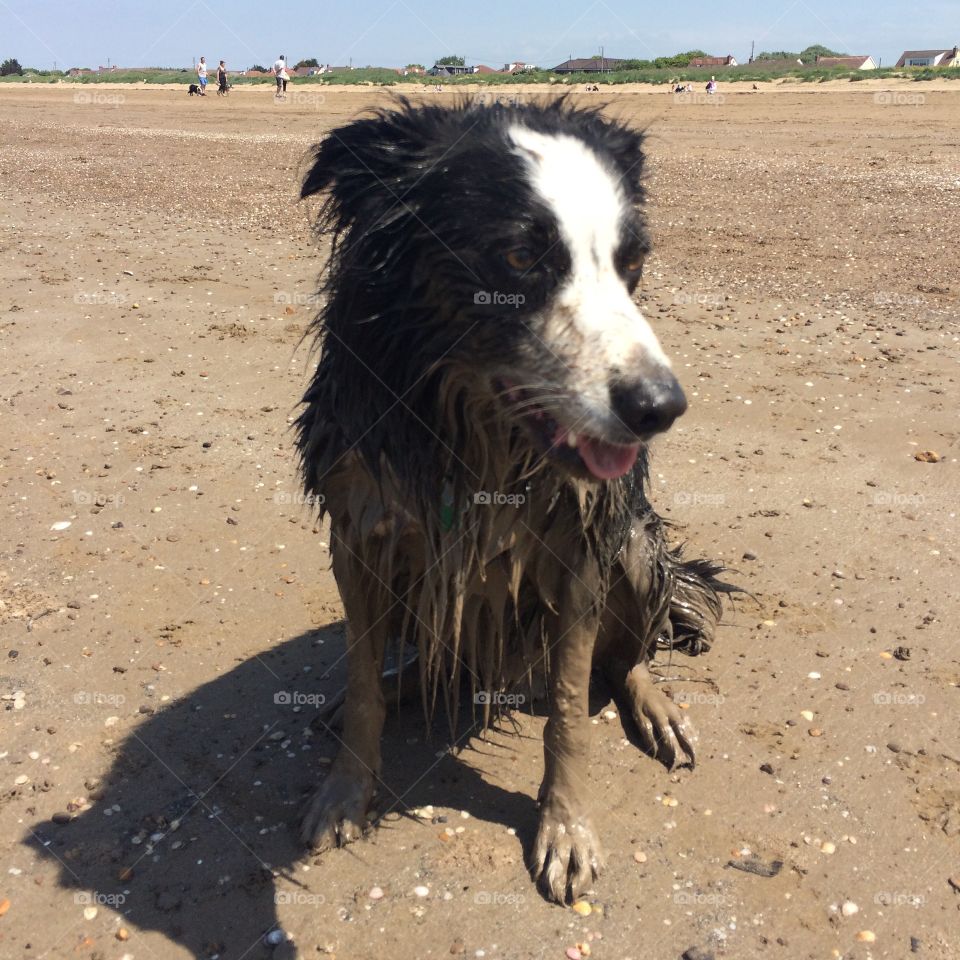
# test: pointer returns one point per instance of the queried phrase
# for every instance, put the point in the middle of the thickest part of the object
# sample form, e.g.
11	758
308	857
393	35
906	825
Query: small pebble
274	938
89	913
828	847
582	908
421	891
123	934
573	953
815	732
376	893
639	856
813	675
866	936
849	908
807	715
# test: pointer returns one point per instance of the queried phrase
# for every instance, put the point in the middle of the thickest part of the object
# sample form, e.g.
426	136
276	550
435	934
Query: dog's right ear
366	166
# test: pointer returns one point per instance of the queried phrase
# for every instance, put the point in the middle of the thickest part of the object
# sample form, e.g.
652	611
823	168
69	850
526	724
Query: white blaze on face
589	207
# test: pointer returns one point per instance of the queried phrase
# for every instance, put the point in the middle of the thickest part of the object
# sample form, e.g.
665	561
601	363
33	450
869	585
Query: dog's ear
367	167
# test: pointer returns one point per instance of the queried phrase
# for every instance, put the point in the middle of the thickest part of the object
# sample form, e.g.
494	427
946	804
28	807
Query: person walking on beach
222	79
280	72
202	76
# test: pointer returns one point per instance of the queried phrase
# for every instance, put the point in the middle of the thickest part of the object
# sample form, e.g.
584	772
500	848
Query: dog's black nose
649	405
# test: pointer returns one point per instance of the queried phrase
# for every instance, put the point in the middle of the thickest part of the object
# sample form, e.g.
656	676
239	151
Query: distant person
202	76
222	87
712	85
280	72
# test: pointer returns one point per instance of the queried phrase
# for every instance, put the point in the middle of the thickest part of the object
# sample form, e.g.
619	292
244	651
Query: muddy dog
477	430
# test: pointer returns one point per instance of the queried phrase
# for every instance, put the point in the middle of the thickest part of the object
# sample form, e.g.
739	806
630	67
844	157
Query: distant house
588	65
81	72
727	61
449	70
518	66
483	68
930	58
851	63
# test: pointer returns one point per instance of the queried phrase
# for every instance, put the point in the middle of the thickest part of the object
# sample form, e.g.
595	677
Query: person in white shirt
202	76
280	72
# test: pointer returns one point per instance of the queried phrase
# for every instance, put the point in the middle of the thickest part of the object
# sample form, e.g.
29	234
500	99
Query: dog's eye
520	258
634	263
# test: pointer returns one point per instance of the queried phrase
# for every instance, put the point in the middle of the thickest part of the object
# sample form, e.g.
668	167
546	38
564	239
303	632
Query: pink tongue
607	461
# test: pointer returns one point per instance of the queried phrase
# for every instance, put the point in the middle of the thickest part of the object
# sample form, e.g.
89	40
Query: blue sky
395	32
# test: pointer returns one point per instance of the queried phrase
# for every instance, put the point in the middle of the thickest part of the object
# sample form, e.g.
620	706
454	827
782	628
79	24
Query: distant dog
477	430
195	90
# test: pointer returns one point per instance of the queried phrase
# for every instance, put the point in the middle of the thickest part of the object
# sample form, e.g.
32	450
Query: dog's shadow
196	817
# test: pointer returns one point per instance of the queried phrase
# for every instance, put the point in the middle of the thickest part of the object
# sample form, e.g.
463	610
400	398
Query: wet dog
477	430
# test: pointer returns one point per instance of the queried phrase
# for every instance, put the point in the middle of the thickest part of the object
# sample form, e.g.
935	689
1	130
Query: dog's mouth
577	451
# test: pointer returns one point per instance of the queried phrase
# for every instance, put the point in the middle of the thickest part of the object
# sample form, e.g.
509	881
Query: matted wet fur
483	463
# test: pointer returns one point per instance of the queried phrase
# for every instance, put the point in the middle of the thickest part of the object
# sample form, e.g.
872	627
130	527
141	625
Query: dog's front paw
566	854
337	811
665	731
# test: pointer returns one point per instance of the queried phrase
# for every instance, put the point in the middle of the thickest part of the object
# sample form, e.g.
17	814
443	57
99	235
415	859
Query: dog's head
506	241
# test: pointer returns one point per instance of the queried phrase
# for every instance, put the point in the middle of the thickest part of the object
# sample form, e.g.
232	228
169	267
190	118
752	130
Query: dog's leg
336	813
566	853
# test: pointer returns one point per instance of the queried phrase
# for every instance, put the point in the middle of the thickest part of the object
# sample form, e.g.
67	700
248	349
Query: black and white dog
194	90
477	430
